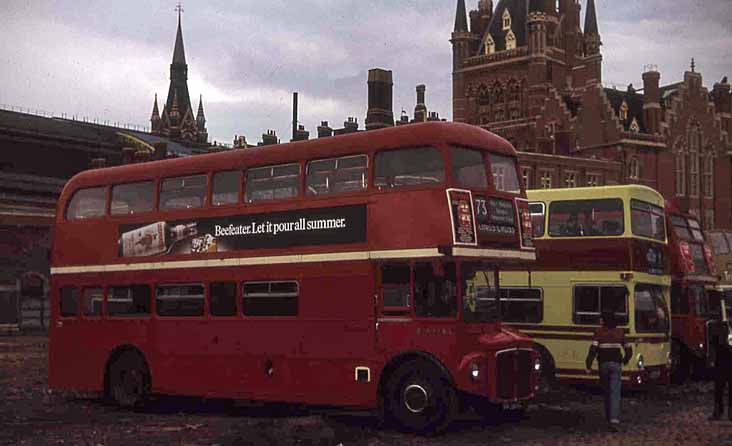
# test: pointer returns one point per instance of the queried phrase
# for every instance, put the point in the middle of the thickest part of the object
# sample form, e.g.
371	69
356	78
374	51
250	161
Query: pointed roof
179	54
591	19
200	116
155	112
461	18
519	13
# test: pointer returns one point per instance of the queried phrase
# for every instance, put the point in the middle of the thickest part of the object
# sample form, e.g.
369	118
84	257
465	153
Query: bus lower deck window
590	301
395	283
270	298
92	299
179	300
223	298
131	300
521	305
435	290
69	301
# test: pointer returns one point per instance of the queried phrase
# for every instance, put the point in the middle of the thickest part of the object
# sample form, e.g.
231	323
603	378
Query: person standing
611	351
720	343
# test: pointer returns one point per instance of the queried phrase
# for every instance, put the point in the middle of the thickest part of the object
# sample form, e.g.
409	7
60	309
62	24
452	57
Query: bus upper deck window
647	220
505	178
586	218
87	203
183	192
337	175
225	187
468	168
272	183
408	167
132	198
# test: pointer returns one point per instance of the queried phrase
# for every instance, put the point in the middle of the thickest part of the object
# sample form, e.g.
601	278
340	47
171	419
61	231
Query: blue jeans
610	381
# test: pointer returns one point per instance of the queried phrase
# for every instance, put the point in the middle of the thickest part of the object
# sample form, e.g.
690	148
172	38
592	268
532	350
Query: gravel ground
30	415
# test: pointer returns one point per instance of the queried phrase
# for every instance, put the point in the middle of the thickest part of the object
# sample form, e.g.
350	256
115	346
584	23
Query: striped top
608	345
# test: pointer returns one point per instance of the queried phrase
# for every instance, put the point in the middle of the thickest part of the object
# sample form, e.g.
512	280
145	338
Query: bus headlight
669	360
474	372
641	364
537	364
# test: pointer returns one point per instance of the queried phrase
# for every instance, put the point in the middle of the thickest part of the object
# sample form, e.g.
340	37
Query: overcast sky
106	60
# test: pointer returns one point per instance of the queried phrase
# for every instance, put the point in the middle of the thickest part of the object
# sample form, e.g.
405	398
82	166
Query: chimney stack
380	113
324	130
420	111
294	117
301	134
269	138
652	100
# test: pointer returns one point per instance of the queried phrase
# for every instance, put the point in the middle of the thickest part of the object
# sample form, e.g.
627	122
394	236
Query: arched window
506	20
510	41
634	168
694	141
708	172
623	112
490	45
680	173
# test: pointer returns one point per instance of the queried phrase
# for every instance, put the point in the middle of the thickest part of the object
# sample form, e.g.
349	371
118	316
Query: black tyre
129	380
420	398
547	376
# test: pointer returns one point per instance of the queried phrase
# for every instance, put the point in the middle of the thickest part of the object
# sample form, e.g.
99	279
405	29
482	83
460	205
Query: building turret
652	100
723	103
592	42
464	45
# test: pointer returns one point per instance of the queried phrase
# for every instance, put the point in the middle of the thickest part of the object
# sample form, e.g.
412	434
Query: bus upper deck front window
647	220
479	293
468	168
505	178
408	167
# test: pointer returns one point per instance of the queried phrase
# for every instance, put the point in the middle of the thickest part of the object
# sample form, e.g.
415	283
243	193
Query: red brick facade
529	72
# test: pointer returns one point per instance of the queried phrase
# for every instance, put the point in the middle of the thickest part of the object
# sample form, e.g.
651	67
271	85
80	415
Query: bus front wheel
129	380
420	398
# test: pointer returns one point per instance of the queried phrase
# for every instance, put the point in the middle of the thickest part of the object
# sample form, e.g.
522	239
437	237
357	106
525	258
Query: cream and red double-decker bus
338	271
598	249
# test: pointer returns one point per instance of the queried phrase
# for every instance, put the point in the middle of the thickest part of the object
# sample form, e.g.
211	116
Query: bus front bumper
649	376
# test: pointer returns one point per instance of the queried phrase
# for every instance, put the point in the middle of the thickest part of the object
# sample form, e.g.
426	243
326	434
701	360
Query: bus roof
627	191
353	143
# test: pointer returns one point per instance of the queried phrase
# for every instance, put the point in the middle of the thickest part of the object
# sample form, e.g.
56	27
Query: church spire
461	18
179	54
200	117
591	19
155	112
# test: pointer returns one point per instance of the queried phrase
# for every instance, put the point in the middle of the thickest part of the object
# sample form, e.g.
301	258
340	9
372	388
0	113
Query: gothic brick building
530	72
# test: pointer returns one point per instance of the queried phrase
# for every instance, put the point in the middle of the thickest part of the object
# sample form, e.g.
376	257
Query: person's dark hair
609	319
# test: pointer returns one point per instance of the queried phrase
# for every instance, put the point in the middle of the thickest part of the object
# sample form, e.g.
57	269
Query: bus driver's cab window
435	289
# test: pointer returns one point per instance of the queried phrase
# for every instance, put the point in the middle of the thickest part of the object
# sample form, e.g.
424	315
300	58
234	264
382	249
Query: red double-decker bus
693	276
338	271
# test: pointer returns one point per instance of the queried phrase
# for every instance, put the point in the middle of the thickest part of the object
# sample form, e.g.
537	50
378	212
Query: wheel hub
415	398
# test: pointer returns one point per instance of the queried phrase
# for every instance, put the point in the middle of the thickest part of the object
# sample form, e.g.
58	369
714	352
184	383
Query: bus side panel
338	336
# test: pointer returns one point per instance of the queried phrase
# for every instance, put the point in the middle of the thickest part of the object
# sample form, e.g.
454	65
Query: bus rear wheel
420	398
129	380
